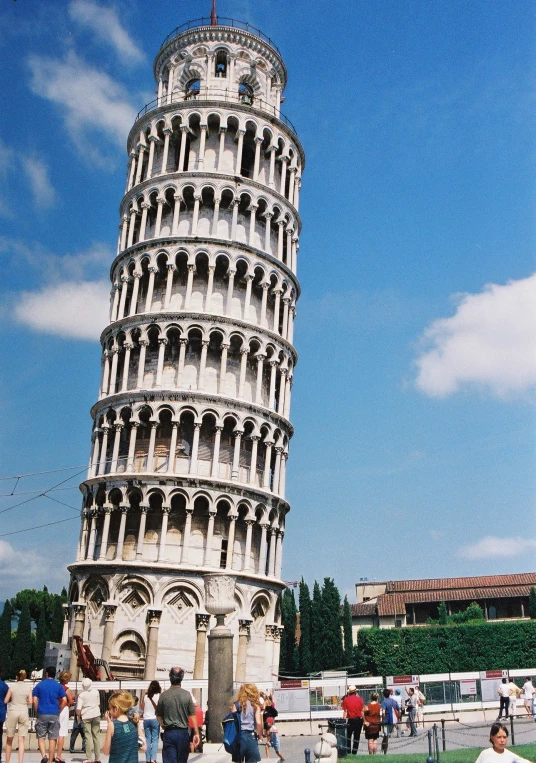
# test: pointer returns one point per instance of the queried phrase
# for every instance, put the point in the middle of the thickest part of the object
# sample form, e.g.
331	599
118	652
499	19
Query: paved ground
457	735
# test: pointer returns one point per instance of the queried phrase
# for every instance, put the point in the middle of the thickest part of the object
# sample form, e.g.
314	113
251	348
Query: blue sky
413	401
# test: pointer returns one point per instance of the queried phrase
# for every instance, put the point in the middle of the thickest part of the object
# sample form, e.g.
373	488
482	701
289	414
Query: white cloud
491	546
37	172
90	100
105	24
489	343
70	309
29	568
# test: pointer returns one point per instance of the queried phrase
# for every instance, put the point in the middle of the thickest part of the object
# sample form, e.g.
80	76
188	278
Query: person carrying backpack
249	709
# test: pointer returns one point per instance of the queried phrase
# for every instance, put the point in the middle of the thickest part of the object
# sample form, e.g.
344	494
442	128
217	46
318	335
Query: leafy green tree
532	603
287	663
304	651
22	650
331	655
347	634
443	613
5	640
40	640
56	623
317	631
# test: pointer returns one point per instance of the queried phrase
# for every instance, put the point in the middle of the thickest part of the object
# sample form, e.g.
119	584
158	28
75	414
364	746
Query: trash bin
337	726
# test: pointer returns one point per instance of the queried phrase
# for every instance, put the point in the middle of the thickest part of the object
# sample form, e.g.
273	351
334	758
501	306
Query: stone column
203	364
240	146
152	440
169	284
144	343
210	535
268	652
271	553
235	468
219	601
223	368
108	635
163	533
105	530
182	354
132	445
121	537
176	214
260	370
201	624
173	447
230	543
258	143
150	288
223	130
92	534
144	508
278	553
247	550
126	366
241	657
243	368
276	631
215	471
267	463
187	532
195	447
263	549
165	152
79	609
153	624
210	287
162	344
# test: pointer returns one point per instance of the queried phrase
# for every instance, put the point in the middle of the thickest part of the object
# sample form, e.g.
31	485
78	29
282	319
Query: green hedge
446	648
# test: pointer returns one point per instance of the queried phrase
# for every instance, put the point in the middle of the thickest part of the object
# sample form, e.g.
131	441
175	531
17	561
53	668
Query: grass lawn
468	755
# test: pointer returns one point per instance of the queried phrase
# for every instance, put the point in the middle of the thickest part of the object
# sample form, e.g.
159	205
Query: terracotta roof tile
484	581
394	603
362	610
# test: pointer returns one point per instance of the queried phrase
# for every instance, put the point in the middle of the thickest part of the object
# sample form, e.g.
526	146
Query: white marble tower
191	429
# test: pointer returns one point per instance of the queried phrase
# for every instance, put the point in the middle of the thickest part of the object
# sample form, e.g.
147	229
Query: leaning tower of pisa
191	428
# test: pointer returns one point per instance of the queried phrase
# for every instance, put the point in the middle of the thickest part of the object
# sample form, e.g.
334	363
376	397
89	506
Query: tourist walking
151	727
514	692
412	704
528	693
77	730
122	741
372	721
4	689
352	710
174	708
390	712
88	710
19	698
251	730
497	753
504	698
271	734
49	699
64	678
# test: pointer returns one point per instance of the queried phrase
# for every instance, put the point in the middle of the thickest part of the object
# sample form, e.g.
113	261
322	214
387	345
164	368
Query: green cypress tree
56	623
304	650
331	655
5	640
40	639
22	651
287	665
347	634
442	613
317	633
532	603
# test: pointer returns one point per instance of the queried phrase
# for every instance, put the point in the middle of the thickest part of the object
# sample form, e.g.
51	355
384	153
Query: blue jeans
176	746
152	729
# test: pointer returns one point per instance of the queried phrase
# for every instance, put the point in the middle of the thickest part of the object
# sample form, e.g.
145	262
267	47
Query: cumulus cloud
23	568
70	309
491	546
489	343
37	173
106	26
90	100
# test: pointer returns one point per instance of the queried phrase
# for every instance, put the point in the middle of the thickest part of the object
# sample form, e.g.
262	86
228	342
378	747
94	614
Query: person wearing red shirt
352	708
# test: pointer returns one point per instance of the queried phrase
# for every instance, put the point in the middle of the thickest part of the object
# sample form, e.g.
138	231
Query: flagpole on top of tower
213	17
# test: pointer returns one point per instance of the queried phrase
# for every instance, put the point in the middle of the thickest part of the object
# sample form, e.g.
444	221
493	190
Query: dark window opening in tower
245	93
186	154
223	552
221	64
192	89
248	156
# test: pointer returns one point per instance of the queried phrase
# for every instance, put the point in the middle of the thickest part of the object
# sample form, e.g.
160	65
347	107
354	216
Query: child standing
122	742
272	740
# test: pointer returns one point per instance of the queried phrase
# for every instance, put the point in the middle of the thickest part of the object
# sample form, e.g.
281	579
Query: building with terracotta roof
398	603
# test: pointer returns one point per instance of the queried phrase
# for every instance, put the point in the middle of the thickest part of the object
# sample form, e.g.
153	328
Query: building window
223	553
245	93
221	64
492	613
192	89
398	623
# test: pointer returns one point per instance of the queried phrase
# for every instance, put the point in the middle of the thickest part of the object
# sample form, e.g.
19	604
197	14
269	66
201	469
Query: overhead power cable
48	471
41	495
37	527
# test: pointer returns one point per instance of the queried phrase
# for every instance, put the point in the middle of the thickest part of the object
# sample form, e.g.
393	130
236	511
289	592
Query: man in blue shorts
49	699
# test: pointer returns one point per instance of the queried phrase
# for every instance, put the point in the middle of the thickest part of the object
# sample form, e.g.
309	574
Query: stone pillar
263	549
144	508
230	542
201	624
108	635
105	530
163	533
241	657
219	601
268	652
121	537
247	550
187	532
153	624
79	609
277	630
210	535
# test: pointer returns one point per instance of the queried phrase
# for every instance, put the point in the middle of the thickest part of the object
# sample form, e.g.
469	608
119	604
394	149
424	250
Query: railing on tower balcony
222	22
207	94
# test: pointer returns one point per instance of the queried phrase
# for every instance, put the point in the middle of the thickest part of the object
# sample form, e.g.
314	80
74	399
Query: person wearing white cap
88	709
352	710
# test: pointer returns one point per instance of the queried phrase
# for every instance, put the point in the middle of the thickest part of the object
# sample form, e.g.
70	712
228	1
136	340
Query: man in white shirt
504	698
528	693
